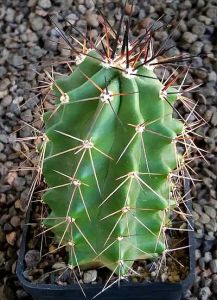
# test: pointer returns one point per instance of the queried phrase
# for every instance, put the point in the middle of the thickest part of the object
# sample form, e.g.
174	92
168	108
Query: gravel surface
27	37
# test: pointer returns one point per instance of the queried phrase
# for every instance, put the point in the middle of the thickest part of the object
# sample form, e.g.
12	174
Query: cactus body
109	154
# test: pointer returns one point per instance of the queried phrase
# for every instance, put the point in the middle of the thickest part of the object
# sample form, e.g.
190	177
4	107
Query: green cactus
110	150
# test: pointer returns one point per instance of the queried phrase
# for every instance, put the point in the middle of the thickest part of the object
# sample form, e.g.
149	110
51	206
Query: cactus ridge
109	153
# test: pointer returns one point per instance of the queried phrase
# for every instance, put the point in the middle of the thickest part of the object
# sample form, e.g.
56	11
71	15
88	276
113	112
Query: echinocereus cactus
109	153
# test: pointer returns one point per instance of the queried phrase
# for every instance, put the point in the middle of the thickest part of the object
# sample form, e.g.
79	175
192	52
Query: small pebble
207	257
189	37
199	29
21	294
89	276
11	238
15	221
197	254
10	14
201	263
214	283
72	18
212	12
204	218
82	9
214	119
213	265
204	293
37	23
1	147
32	257
59	265
212	76
92	20
210	211
45	4
16	61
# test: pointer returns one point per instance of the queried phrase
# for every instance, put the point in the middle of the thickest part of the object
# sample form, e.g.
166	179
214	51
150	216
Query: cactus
109	153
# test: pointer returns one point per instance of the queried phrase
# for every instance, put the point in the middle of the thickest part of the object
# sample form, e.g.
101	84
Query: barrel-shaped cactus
109	154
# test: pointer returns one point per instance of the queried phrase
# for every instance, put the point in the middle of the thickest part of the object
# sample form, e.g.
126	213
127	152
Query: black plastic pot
126	291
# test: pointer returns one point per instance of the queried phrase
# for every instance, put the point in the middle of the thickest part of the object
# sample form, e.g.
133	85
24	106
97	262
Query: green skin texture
96	238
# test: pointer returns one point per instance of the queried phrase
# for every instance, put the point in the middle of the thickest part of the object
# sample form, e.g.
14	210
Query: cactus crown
109	155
